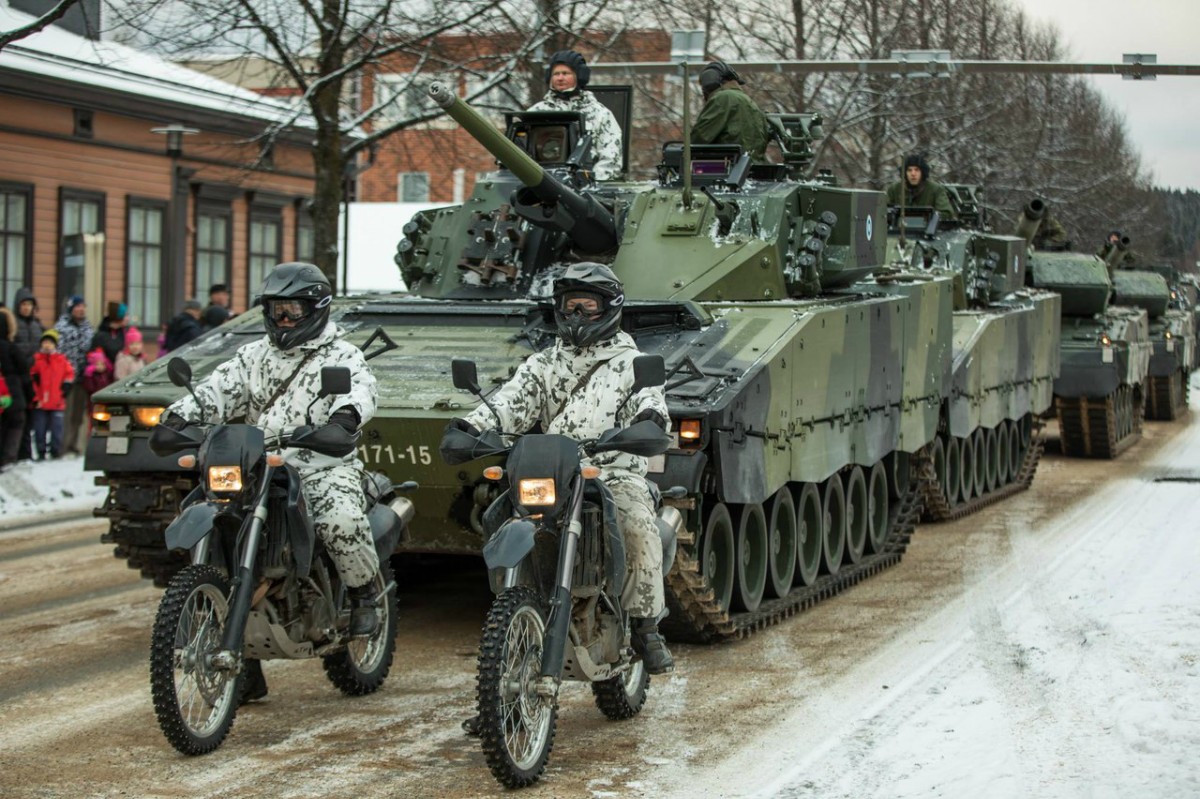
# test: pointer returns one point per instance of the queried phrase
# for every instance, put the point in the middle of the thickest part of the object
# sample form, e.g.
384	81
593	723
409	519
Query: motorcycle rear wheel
194	702
363	665
622	696
516	725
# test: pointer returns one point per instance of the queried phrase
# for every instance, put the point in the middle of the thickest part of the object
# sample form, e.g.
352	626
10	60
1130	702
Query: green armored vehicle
1005	353
1172	334
1100	392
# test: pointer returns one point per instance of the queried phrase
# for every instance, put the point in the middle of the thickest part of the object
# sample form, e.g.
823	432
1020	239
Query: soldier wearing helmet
271	382
567	75
576	387
919	190
729	116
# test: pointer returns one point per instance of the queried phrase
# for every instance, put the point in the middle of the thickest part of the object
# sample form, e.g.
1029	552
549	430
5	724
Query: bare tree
49	18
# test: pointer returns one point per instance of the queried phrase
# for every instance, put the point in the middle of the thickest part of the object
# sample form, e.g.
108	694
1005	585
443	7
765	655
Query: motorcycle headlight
225	479
536	491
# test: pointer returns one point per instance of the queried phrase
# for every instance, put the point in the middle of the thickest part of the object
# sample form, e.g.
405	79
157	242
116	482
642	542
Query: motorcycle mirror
648	370
179	372
334	380
465	375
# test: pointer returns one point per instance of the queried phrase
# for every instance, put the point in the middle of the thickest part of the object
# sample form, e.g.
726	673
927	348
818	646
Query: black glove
174	421
346	418
464	426
652	415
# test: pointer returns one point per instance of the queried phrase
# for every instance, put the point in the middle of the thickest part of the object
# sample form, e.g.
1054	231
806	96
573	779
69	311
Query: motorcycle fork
559	624
243	579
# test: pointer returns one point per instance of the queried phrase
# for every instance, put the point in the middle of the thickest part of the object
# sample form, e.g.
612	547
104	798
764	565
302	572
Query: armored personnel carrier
804	395
1099	394
1172	335
1005	353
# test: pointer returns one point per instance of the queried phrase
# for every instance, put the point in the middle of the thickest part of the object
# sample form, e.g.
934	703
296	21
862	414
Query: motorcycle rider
270	382
576	388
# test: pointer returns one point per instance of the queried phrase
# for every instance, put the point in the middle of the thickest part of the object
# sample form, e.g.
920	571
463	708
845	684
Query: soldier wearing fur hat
567	76
729	115
919	190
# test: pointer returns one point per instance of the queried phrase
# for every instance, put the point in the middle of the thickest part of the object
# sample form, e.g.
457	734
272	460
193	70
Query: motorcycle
260	584
556	563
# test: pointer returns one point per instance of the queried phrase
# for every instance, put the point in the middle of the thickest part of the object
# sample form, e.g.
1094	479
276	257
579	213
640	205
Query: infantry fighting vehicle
1172	336
1099	394
1005	353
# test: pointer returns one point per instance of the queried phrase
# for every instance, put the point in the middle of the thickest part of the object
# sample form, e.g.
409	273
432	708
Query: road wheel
833	527
991	459
363	665
877	508
516	724
1003	457
751	556
953	472
1014	450
810	524
782	545
858	521
622	696
717	554
937	453
195	703
966	458
979	442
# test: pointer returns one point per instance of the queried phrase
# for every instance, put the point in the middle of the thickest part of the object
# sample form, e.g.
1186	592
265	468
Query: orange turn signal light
187	461
493	472
101	413
689	430
274	459
590	472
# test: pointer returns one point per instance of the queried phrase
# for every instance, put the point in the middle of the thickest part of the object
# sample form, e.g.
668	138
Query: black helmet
573	289
298	292
714	74
577	64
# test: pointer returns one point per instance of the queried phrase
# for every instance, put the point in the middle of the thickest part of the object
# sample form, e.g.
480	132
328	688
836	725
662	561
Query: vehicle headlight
225	479
147	417
538	491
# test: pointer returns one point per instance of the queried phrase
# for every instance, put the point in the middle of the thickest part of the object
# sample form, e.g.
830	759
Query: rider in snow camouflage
576	388
271	382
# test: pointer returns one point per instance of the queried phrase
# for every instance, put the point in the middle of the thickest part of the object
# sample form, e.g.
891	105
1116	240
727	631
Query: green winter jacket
926	194
731	117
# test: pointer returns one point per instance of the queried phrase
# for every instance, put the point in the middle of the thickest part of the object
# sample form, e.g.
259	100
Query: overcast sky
1162	117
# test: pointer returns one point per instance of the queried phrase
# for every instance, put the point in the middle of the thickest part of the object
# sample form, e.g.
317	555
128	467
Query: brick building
99	197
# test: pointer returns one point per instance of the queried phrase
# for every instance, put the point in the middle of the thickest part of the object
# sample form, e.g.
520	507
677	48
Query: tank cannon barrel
1031	219
1116	253
544	200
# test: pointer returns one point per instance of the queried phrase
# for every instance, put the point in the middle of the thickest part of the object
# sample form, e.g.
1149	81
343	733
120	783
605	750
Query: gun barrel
515	159
1031	219
1117	253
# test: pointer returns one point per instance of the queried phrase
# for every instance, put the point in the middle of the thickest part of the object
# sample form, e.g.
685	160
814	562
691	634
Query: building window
413	187
213	246
80	213
15	219
306	248
84	123
266	230
145	257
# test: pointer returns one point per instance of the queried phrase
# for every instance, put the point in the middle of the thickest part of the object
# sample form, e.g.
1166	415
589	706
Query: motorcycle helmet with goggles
588	299
295	299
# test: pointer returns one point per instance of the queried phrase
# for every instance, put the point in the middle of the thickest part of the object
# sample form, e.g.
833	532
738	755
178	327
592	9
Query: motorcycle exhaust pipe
404	508
672	517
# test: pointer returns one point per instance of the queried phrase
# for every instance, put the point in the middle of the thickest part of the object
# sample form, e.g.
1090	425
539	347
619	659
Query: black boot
364	620
254	684
649	644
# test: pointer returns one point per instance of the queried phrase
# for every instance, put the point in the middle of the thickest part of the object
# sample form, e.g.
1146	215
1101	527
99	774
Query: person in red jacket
51	371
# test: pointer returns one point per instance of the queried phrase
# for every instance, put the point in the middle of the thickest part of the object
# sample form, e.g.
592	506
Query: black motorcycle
556	561
260	584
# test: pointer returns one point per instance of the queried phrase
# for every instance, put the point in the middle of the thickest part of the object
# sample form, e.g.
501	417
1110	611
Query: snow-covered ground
31	490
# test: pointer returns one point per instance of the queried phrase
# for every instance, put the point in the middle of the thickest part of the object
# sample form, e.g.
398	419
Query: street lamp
175	133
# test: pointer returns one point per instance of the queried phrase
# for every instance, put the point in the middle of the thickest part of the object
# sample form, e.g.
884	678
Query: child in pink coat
131	359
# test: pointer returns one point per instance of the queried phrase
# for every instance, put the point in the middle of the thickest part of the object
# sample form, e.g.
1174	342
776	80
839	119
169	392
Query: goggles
287	310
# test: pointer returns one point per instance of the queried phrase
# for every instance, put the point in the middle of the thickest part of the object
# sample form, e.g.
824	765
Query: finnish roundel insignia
870	227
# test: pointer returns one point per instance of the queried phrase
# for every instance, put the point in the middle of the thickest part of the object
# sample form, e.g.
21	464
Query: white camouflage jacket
600	122
545	389
240	387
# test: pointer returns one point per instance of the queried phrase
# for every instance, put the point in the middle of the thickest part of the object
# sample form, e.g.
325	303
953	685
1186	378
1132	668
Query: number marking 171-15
385	453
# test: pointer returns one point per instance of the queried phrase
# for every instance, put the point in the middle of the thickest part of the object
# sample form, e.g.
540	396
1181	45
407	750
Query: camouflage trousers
642	596
335	503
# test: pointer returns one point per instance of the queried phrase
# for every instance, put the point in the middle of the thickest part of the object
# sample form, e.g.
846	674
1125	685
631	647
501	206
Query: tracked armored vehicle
1172	335
1005	353
1099	396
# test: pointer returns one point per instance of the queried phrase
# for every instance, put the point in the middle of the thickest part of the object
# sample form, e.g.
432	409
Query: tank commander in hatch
919	190
729	115
567	77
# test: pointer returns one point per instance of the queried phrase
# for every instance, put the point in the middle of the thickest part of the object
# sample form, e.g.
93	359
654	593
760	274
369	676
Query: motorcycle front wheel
195	703
516	725
363	665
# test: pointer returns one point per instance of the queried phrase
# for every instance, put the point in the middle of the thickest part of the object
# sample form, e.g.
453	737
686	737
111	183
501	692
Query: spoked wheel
877	508
751	557
782	544
954	467
1002	455
363	665
195	702
992	459
979	442
810	524
516	724
622	696
857	519
717	554
833	544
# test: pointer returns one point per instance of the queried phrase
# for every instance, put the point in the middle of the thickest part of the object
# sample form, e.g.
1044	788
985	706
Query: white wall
375	230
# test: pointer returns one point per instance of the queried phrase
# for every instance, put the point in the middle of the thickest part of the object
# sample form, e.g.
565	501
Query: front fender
191	525
509	546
